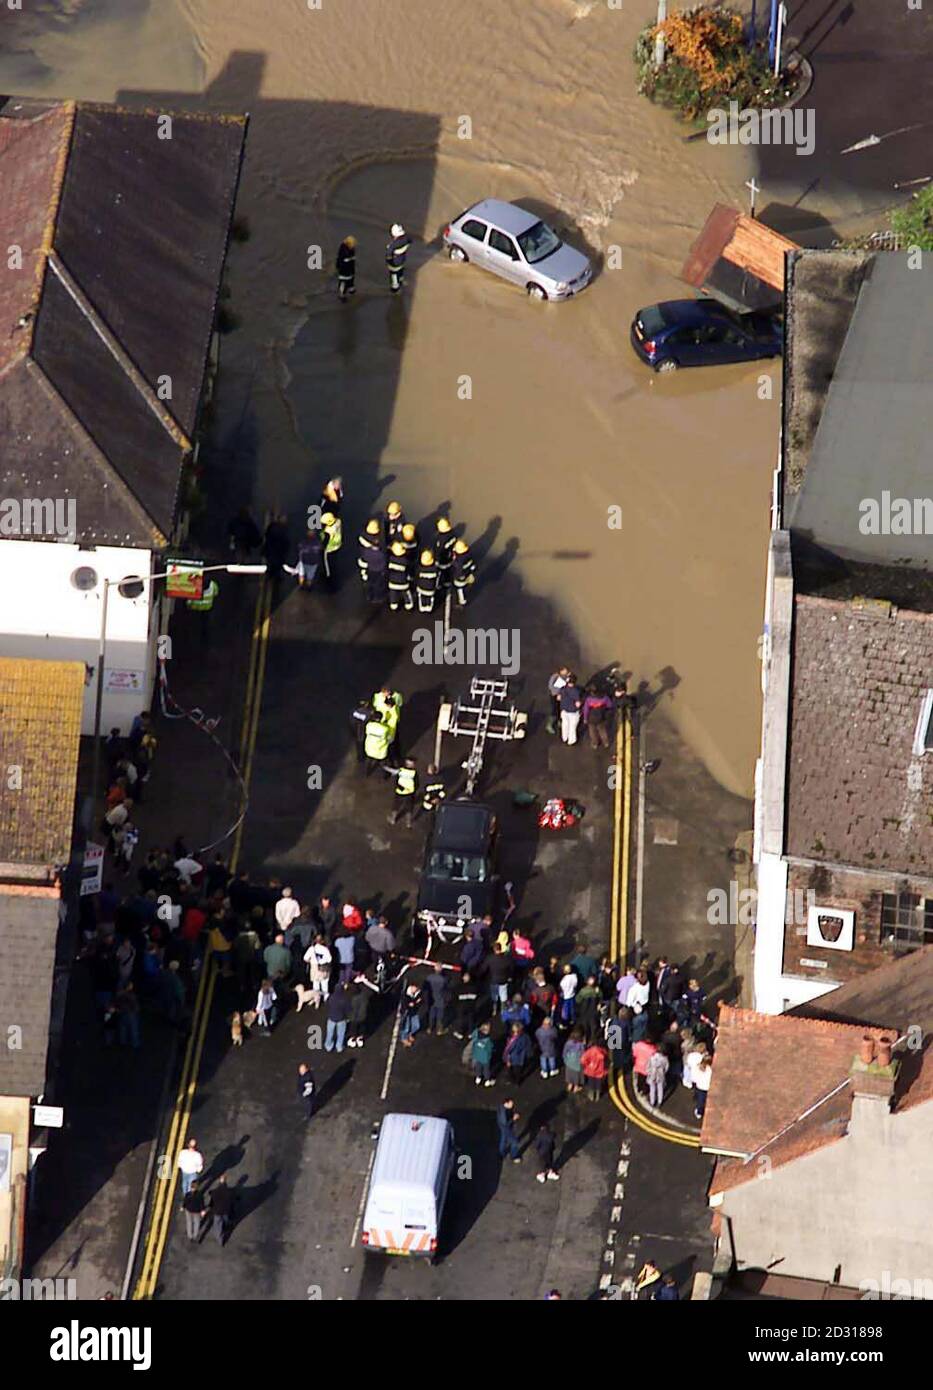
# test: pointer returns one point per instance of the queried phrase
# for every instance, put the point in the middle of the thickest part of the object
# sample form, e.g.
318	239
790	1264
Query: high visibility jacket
399	573
463	568
396	252
205	603
377	741
444	548
427	579
406	781
333	536
387	704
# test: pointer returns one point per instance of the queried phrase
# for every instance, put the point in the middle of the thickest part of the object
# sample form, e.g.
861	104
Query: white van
408	1185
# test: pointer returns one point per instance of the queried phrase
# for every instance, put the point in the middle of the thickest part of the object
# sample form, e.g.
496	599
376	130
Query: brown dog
236	1030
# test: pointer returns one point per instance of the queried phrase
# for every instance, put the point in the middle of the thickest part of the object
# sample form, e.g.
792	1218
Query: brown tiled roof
768	1071
28	935
856	795
124	235
40	729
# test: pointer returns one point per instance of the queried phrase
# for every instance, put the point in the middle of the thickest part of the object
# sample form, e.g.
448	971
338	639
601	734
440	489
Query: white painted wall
43	615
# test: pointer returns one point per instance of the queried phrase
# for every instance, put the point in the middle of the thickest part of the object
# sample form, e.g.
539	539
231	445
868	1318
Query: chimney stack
866	1052
872	1077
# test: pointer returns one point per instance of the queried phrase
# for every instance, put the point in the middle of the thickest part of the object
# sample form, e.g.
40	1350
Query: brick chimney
872	1076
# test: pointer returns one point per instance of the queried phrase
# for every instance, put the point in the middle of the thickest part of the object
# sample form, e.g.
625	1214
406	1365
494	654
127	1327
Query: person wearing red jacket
595	1066
352	917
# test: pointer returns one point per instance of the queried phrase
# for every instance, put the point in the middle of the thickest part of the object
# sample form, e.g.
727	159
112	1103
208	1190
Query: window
474	229
459	868
500	242
84	578
131	587
906	921
923	737
538	242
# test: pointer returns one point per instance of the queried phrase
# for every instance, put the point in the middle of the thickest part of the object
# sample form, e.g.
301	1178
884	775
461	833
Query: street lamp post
102	645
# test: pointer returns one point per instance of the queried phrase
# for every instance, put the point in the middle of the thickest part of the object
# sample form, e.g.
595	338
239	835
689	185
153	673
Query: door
473	235
502	257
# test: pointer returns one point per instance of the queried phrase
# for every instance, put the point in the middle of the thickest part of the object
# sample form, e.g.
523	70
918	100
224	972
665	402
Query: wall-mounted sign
832	927
120	681
92	874
184	578
814	964
48	1116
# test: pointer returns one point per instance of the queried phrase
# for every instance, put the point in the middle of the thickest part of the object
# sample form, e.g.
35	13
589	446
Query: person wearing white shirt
187	868
319	960
190	1165
639	992
286	910
702	1075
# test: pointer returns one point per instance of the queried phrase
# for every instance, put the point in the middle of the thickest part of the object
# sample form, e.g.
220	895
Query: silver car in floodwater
520	247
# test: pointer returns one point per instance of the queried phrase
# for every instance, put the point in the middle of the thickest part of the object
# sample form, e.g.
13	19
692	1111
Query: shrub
913	224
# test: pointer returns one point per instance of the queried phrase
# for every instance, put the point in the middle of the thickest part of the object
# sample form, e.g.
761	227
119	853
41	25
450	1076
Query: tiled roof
768	1071
123	235
28	935
856	795
40	728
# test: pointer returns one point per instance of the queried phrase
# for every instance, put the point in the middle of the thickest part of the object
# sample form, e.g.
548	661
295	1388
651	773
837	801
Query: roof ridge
68	109
729	1013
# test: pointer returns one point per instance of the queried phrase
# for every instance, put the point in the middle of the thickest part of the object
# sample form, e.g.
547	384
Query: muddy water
562	423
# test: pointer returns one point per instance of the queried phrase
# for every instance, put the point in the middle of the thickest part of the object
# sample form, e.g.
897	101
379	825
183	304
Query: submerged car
701	333
459	880
520	247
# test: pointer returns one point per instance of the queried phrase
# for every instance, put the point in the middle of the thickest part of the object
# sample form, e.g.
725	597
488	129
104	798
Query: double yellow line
166	1172
619	913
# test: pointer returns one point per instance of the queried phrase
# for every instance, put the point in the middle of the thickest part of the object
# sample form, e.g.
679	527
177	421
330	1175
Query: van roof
409	1150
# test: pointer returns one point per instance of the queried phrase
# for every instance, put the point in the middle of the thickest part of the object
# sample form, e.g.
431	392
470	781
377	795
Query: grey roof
28	934
124	235
506	216
877	422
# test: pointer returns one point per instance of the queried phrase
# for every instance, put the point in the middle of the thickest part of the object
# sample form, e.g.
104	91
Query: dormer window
923	738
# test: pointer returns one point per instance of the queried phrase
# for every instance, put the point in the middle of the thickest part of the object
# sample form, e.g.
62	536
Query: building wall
849	889
43	615
14	1120
861	1205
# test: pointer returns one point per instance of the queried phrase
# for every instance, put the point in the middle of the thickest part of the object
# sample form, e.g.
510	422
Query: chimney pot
867	1050
884	1052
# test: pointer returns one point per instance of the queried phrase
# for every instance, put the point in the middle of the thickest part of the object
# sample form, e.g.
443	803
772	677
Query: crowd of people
595	706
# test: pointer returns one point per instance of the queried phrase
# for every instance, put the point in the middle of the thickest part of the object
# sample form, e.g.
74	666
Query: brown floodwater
357	111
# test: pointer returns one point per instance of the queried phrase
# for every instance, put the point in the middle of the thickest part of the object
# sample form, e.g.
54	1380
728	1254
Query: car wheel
535	292
668	365
457	253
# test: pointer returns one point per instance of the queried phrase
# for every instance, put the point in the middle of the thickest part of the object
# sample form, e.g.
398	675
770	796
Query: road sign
92	874
48	1116
184	578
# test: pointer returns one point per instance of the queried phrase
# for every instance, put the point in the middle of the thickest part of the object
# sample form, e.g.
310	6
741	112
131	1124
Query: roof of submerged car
462	825
680	311
506	216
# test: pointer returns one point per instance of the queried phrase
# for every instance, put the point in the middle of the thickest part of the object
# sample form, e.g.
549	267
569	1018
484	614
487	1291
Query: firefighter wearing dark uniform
463	571
426	584
399	578
346	267
409	540
406	785
433	791
395	521
370	540
443	550
377	576
396	255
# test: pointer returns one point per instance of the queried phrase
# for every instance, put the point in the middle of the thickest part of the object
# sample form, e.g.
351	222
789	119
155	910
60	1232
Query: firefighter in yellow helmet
426	585
399	578
370	540
443	550
463	571
410	542
395	520
332	533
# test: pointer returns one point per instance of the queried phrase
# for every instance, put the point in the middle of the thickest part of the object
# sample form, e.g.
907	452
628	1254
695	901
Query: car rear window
457	868
652	320
471	227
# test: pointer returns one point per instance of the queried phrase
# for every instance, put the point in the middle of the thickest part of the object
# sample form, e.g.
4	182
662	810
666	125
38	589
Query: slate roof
28	935
123	236
40	728
856	795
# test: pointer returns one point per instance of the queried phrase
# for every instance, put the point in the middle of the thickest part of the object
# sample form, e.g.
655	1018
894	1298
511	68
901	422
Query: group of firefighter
395	564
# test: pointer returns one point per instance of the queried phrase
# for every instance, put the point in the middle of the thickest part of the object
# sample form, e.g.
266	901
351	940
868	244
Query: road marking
362	1206
391	1057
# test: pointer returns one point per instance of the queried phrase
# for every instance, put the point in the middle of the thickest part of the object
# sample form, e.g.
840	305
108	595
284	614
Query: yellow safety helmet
328	519
349	241
443	524
372	527
427	557
393	509
408	531
460	547
398	548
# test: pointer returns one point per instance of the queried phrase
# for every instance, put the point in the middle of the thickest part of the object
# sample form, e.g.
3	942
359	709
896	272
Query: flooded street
357	112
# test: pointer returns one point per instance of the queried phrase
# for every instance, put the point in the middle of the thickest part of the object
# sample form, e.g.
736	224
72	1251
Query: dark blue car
702	333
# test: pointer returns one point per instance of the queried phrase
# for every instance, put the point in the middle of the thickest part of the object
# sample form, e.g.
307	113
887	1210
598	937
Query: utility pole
753	188
779	36
659	38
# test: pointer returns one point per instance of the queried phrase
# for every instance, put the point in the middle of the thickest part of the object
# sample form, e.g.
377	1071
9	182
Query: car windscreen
538	242
457	868
651	320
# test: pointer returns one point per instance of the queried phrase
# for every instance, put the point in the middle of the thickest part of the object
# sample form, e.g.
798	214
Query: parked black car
701	333
460	879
